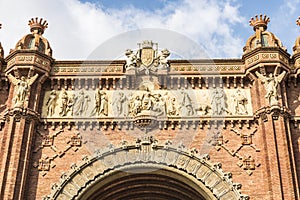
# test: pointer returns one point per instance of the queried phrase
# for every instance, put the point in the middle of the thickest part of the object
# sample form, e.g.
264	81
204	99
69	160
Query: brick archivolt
146	154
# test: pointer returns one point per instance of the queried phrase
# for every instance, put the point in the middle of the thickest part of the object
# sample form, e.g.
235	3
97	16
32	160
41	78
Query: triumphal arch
148	126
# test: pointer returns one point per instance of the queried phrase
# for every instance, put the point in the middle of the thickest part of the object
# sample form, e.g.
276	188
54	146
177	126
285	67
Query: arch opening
145	182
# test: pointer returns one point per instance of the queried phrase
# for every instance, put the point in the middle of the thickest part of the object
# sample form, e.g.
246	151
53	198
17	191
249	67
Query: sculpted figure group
144	102
147	102
70	104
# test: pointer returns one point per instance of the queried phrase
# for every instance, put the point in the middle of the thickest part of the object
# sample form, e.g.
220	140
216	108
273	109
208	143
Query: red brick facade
73	129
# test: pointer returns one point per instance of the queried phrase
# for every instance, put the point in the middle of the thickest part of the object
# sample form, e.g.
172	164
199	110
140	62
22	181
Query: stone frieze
161	103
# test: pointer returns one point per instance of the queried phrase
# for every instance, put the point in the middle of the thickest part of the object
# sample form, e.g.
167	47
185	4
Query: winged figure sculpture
23	86
271	83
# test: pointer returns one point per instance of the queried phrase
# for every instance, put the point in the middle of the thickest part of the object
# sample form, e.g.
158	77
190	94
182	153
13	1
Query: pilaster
268	68
26	70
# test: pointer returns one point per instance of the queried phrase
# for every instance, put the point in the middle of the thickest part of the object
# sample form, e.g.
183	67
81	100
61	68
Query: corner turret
27	67
262	37
35	40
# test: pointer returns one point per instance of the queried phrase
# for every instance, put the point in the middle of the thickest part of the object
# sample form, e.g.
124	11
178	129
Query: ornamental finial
39	25
297	21
259	21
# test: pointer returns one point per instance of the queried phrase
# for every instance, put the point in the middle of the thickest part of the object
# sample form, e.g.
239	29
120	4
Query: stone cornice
177	67
106	123
274	111
28	58
28	51
19	113
87	68
267	56
265	49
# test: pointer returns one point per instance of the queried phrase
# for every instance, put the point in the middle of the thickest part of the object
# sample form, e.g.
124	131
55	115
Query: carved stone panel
160	103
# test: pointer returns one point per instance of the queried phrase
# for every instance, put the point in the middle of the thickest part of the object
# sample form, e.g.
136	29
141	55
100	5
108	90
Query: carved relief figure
130	60
130	104
119	102
23	87
240	102
218	104
96	109
103	104
70	104
163	62
147	101
64	103
159	105
51	103
186	105
172	107
271	83
136	106
81	103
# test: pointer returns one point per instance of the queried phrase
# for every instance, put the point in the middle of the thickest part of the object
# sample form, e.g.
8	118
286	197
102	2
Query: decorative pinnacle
259	21
38	25
297	21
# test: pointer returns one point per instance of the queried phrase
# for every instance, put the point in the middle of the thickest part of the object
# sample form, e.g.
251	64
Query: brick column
20	122
18	134
277	159
16	150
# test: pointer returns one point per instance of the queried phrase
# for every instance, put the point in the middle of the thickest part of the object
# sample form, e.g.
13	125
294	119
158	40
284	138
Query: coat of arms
147	60
147	56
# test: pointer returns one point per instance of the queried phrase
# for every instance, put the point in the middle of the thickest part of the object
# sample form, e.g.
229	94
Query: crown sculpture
259	21
1	48
296	48
147	44
38	25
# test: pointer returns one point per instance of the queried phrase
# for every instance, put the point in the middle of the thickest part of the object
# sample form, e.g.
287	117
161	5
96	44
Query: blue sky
247	9
142	4
77	28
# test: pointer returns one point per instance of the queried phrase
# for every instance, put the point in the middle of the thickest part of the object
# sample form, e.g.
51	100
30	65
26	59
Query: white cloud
283	23
291	5
76	29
